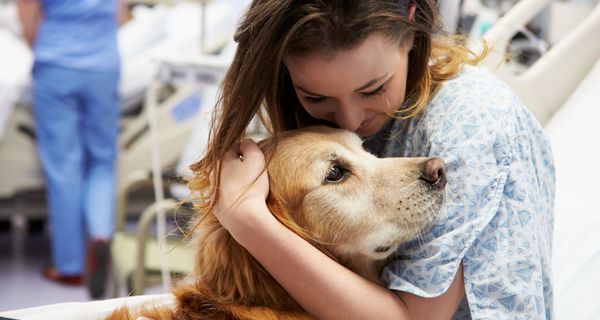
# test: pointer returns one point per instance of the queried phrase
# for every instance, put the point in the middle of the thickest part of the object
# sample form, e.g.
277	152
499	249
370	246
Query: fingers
249	149
242	148
242	179
245	157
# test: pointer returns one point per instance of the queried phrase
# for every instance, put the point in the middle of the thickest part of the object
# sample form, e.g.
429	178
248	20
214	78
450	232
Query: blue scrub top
78	34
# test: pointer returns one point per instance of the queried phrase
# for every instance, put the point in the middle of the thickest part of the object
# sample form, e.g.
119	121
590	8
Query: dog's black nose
434	172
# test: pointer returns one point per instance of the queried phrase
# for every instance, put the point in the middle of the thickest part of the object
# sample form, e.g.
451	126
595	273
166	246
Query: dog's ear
281	210
268	146
277	206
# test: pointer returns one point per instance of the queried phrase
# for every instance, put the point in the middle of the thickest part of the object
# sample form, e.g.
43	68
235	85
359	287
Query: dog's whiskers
419	235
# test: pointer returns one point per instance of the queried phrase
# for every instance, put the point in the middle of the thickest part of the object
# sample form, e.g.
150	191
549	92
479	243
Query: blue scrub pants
76	115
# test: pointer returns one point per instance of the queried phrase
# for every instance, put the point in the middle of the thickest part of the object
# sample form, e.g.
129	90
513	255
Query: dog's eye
334	174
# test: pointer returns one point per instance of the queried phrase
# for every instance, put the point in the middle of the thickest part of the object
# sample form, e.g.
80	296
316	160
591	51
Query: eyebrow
366	85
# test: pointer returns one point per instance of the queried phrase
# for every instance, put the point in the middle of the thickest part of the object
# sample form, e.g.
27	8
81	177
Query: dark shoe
50	273
98	257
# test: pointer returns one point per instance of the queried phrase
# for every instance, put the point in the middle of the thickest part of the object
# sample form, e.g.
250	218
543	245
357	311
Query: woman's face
354	88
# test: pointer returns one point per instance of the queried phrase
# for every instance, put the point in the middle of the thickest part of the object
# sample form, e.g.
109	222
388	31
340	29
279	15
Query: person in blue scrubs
76	110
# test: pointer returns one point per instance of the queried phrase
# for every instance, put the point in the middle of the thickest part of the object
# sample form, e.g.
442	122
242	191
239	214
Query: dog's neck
364	266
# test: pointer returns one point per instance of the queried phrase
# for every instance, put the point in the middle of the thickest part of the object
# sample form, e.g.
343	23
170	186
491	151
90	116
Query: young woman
382	69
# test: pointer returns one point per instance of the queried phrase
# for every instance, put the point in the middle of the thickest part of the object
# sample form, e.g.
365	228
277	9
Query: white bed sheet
575	136
94	310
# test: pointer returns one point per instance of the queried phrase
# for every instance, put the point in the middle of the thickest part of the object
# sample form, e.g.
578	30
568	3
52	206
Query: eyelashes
314	100
377	92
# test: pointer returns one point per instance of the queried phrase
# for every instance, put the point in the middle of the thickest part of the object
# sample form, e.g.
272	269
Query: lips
365	124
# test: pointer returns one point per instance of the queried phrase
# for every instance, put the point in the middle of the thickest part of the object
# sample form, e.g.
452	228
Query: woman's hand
244	188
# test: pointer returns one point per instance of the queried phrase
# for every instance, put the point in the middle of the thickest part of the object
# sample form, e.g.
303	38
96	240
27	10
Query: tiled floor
24	253
22	256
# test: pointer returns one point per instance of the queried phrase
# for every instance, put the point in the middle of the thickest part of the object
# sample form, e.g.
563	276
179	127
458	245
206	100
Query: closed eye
379	91
314	100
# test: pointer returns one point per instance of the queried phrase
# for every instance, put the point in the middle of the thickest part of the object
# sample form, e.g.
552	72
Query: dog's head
354	207
350	201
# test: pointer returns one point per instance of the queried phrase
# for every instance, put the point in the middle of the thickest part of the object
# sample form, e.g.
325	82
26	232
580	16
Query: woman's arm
323	287
30	16
330	291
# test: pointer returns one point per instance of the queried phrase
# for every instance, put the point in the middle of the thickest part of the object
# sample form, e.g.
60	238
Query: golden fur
359	221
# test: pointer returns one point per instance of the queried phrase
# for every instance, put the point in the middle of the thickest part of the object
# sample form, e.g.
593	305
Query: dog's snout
434	172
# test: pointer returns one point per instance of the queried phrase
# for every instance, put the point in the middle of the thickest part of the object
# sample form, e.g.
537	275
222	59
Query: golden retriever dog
324	186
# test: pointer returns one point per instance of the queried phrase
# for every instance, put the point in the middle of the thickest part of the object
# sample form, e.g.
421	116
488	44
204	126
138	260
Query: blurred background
173	55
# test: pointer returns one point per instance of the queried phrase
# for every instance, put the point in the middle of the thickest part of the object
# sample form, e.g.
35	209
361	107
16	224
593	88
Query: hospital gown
498	214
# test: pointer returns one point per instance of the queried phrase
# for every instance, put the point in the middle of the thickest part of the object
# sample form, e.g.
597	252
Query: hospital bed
15	122
136	254
570	122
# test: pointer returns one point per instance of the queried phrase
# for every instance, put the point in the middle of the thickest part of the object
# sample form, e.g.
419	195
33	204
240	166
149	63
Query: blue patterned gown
498	215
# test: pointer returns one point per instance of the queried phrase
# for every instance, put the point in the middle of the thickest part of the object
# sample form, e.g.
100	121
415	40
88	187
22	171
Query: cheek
394	101
388	102
393	98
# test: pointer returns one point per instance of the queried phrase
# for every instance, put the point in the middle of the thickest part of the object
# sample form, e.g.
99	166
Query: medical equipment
201	72
133	255
189	73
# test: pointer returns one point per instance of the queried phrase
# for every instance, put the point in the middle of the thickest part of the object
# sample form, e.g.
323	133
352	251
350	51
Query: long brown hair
257	81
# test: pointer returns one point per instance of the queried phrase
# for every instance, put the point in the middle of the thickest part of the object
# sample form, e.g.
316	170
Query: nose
434	172
348	117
